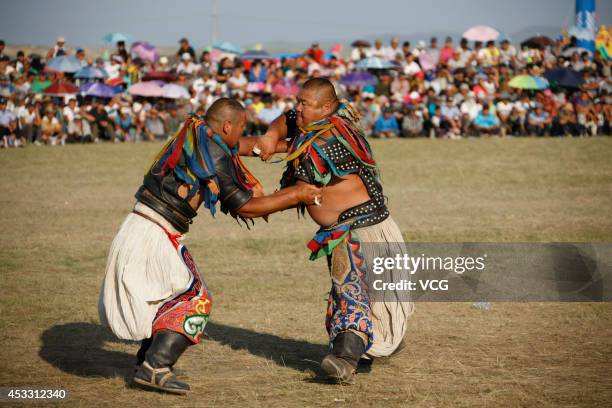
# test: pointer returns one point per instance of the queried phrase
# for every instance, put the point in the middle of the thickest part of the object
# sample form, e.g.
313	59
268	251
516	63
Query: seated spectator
51	129
504	110
538	121
410	66
451	119
29	124
237	83
172	121
566	122
412	124
154	128
187	65
124	125
486	122
258	72
101	126
79	130
270	111
8	125
386	125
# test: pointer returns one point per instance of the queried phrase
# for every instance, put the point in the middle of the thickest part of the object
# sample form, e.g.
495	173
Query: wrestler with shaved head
152	290
327	148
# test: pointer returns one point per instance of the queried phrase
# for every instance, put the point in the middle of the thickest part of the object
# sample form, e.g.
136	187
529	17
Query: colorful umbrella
63	64
228	47
528	82
145	51
100	90
481	33
113	38
256	54
158	75
285	87
174	91
60	88
570	51
147	88
91	73
539	42
359	79
427	61
564	77
375	63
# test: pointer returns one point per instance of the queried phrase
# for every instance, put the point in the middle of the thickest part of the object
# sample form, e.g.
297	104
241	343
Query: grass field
60	208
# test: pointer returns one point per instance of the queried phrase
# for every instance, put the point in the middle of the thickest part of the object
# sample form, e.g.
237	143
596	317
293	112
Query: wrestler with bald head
327	148
152	290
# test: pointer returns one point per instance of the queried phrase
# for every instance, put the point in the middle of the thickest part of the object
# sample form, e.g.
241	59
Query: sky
277	22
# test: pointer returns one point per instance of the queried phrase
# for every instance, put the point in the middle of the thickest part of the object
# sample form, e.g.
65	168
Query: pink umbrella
428	63
147	88
145	51
481	33
285	87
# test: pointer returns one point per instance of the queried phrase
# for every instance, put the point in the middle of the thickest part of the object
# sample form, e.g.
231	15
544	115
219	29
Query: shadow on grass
299	355
79	349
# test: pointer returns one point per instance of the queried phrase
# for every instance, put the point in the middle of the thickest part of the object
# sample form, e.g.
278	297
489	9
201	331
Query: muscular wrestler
327	148
152	290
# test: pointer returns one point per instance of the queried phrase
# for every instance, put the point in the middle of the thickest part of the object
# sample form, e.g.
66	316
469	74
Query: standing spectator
121	51
58	49
315	53
378	50
360	52
386	125
486	122
447	51
184	47
433	50
539	121
187	65
394	52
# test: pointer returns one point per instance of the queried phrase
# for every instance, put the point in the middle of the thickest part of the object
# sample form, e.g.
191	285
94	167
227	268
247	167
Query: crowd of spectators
464	93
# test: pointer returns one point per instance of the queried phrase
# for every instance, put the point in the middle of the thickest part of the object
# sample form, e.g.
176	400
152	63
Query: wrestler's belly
339	195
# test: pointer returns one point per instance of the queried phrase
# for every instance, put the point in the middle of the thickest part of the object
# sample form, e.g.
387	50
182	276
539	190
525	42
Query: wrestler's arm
280	200
268	143
247	144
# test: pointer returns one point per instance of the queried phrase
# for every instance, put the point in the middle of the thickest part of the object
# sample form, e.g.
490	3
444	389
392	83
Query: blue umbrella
100	90
63	64
256	54
90	72
359	79
287	55
564	77
113	38
375	63
228	47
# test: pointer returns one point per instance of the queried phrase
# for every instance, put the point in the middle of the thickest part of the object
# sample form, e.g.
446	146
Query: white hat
125	110
421	44
137	107
163	60
186	56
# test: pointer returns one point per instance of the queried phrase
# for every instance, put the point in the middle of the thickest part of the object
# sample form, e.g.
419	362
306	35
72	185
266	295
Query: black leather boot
341	363
144	346
156	371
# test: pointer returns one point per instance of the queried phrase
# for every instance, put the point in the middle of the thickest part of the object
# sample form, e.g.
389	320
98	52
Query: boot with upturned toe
341	364
155	373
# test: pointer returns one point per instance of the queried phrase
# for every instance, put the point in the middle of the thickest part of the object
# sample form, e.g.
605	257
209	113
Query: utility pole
215	20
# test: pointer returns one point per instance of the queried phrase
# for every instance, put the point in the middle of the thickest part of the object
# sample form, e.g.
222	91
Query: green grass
60	208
